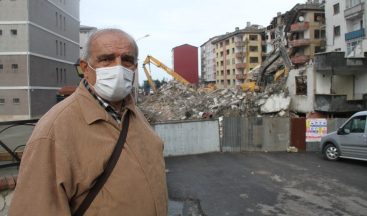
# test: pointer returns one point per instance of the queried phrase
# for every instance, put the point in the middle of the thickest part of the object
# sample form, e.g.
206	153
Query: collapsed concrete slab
276	103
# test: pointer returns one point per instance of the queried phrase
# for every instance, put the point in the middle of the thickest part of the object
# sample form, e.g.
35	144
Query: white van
349	141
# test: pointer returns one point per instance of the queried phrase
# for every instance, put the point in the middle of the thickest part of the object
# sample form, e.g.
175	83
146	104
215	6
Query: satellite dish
301	18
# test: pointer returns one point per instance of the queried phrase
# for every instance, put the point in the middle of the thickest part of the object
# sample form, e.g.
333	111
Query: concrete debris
175	101
276	103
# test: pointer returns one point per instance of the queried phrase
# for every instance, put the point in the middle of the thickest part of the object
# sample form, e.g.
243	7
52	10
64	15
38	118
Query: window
228	72
221	54
57	19
64	49
1	32
253	37
319	17
227	51
14	67
336	9
254	48
233	71
336	31
13	32
228	62
232	50
228	82
64	75
60	48
254	59
301	85
1	68
16	100
233	61
227	42
221	63
2	101
221	72
64	23
317	34
356	125
57	47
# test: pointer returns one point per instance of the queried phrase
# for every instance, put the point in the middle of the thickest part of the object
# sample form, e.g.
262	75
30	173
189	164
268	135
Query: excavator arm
150	59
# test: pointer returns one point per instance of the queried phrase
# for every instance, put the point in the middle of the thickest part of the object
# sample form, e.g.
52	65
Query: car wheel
331	152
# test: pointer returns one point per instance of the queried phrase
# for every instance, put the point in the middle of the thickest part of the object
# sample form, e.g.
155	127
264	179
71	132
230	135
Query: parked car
349	141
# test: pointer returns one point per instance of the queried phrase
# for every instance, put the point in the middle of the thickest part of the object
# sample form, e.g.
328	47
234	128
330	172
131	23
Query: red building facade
185	62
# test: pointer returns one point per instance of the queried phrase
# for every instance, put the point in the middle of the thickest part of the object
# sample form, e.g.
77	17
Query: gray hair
87	52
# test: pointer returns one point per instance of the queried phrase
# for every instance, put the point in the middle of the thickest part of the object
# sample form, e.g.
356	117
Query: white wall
187	138
301	103
322	83
343	85
361	86
335	20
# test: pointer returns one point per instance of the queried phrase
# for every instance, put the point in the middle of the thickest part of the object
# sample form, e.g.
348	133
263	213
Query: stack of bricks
7	185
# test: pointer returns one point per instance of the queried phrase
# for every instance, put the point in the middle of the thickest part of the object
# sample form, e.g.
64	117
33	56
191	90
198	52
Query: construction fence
237	134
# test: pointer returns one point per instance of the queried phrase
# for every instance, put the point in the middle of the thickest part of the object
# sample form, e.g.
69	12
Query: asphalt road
268	184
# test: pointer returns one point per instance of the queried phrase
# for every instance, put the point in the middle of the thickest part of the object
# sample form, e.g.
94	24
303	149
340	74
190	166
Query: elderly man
72	143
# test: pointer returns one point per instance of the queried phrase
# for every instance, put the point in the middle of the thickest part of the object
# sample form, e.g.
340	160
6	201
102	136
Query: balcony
355	11
300	42
240	66
240	76
240	55
354	34
300	59
239	44
300	26
338	104
336	63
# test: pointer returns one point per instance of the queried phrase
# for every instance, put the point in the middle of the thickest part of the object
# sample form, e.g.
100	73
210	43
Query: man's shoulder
60	114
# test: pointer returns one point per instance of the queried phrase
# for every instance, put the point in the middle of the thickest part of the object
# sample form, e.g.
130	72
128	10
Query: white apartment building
208	67
346	27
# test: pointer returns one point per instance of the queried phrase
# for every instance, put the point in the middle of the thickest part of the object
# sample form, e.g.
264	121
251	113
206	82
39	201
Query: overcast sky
171	23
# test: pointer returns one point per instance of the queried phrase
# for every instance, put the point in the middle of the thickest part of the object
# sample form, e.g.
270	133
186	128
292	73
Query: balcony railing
300	26
354	11
301	59
300	42
354	34
240	65
338	103
240	55
239	44
240	76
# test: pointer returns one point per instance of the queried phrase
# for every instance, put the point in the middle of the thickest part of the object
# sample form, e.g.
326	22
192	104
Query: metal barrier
12	152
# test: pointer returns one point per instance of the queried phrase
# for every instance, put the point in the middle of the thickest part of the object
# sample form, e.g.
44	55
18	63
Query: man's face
107	50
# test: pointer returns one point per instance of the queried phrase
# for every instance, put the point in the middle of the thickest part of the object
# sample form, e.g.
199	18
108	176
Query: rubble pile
175	101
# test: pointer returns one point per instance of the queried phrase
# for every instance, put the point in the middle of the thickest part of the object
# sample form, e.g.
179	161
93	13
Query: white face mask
113	83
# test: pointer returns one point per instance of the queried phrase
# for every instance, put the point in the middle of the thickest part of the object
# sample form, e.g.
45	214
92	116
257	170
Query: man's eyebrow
105	56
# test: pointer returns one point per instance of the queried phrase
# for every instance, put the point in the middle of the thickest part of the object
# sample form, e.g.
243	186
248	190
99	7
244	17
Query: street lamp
145	36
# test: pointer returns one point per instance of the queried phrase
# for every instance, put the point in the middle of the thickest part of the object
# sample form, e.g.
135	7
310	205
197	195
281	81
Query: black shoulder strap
101	180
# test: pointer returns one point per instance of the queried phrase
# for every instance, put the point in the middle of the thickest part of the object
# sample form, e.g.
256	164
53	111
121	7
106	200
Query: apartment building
84	34
345	21
208	62
186	62
39	45
237	53
306	33
341	73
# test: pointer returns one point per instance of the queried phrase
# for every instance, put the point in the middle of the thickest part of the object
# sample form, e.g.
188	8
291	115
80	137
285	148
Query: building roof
87	28
253	29
183	45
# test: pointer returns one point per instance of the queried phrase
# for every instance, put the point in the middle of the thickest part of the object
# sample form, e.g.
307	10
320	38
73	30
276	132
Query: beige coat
69	149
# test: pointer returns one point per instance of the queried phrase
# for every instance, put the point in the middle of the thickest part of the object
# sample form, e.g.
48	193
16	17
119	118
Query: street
221	184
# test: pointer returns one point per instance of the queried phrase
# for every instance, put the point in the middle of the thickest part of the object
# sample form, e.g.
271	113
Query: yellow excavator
150	59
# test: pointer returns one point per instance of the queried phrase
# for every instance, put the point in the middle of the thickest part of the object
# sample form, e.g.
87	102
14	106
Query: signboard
315	129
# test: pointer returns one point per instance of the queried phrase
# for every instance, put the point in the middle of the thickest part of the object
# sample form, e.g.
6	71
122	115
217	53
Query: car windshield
356	125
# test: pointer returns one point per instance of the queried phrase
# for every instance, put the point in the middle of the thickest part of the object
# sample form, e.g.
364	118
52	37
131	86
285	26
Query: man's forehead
111	42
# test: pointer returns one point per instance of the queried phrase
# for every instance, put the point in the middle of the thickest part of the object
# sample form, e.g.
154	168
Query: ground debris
175	101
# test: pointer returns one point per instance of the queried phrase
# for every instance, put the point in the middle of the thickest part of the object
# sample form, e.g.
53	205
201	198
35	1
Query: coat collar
92	111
